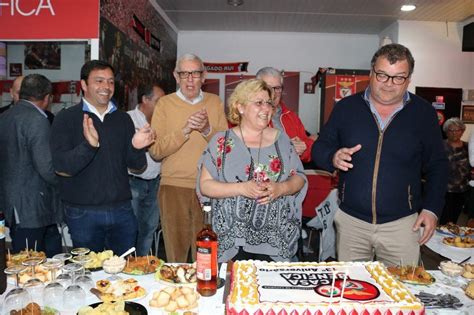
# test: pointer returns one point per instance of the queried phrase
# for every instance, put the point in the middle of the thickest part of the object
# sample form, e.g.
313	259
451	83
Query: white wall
439	61
303	52
72	59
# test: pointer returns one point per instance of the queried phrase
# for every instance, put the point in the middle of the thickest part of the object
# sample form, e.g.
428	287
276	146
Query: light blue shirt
383	123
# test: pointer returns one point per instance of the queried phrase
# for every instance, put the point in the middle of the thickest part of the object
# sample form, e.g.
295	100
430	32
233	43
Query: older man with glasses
283	118
384	141
184	121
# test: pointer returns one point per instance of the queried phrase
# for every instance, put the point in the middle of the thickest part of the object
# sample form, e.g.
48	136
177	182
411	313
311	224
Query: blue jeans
145	207
112	228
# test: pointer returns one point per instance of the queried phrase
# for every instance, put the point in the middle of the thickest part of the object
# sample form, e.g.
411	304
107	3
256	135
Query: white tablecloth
214	306
454	253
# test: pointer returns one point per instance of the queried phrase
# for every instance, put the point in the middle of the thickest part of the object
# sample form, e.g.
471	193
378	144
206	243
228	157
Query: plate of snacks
19	258
125	289
113	308
458	241
142	265
176	300
468	271
452	229
412	274
469	290
33	309
177	274
97	259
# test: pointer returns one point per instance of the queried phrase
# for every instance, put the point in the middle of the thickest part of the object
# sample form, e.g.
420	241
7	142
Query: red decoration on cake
282	312
353	312
342	312
270	312
365	312
331	312
377	312
307	312
388	312
259	312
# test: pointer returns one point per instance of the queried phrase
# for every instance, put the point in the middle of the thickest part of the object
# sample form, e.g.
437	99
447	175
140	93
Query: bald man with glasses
384	141
184	122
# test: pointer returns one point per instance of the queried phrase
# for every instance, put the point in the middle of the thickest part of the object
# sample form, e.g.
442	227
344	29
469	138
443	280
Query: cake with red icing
352	288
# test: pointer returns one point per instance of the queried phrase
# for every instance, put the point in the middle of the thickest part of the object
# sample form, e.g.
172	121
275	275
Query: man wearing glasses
384	141
184	122
283	118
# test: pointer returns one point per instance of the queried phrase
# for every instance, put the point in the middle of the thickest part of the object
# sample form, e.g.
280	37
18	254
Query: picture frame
467	113
16	69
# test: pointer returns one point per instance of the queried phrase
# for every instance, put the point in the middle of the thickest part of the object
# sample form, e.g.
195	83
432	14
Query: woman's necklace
258	169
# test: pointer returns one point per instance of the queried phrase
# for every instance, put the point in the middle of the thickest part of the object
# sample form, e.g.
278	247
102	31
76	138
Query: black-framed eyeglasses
196	74
277	89
383	77
260	103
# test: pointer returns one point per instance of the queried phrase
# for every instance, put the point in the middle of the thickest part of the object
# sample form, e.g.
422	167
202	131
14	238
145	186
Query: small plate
131	307
170	282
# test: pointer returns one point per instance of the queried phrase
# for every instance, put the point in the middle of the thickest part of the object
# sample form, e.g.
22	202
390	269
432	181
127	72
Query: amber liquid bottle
3	255
206	256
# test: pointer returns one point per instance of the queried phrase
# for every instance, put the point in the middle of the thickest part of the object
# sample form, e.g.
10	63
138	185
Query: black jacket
385	183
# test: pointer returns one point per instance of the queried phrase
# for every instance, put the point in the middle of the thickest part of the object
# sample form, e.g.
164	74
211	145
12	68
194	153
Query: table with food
88	283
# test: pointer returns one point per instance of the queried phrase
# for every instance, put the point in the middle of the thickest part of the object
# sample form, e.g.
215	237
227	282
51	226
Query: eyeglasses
455	130
260	103
277	89
196	74
383	77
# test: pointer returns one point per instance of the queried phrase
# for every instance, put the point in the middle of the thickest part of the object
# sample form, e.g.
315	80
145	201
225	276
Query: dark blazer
27	178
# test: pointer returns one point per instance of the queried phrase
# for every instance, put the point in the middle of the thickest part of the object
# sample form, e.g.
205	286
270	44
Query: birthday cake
352	288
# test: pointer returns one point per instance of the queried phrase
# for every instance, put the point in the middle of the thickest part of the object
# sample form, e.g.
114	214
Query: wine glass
32	263
74	296
64	278
35	288
80	251
83	280
17	298
53	292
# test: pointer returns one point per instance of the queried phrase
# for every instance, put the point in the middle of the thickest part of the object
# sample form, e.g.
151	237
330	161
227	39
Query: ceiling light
235	3
408	7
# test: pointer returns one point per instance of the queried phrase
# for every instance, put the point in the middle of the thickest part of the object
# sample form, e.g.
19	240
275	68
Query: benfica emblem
345	86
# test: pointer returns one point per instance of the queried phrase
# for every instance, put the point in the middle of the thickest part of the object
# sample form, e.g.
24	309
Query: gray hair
269	71
188	57
453	121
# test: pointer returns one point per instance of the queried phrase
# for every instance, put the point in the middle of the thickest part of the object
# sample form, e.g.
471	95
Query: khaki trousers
391	243
181	220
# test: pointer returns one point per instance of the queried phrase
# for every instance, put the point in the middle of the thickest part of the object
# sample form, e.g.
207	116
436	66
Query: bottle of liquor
3	255
206	256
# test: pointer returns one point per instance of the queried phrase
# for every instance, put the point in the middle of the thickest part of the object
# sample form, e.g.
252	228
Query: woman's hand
252	189
272	192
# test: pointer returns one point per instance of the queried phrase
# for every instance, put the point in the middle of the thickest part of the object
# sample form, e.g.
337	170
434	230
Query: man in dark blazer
27	178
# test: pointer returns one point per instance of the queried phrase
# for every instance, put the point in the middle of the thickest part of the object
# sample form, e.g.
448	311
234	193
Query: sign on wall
48	19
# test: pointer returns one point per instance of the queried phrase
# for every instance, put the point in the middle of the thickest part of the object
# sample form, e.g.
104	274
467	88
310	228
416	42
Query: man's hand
198	121
343	156
143	137
300	146
428	220
89	131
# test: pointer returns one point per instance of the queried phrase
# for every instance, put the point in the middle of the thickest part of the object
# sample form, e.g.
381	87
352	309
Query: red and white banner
226	67
49	19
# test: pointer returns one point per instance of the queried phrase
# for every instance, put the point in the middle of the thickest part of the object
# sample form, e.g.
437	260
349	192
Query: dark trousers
47	239
454	203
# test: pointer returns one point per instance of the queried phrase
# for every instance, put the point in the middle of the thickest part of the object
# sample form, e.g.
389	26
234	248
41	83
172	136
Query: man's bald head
15	89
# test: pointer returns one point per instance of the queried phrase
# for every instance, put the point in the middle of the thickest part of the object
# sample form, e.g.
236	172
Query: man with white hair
184	123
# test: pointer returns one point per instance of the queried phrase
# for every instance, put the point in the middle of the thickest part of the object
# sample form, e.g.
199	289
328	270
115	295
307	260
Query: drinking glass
53	292
64	278
35	288
74	296
32	263
17	298
80	251
83	280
